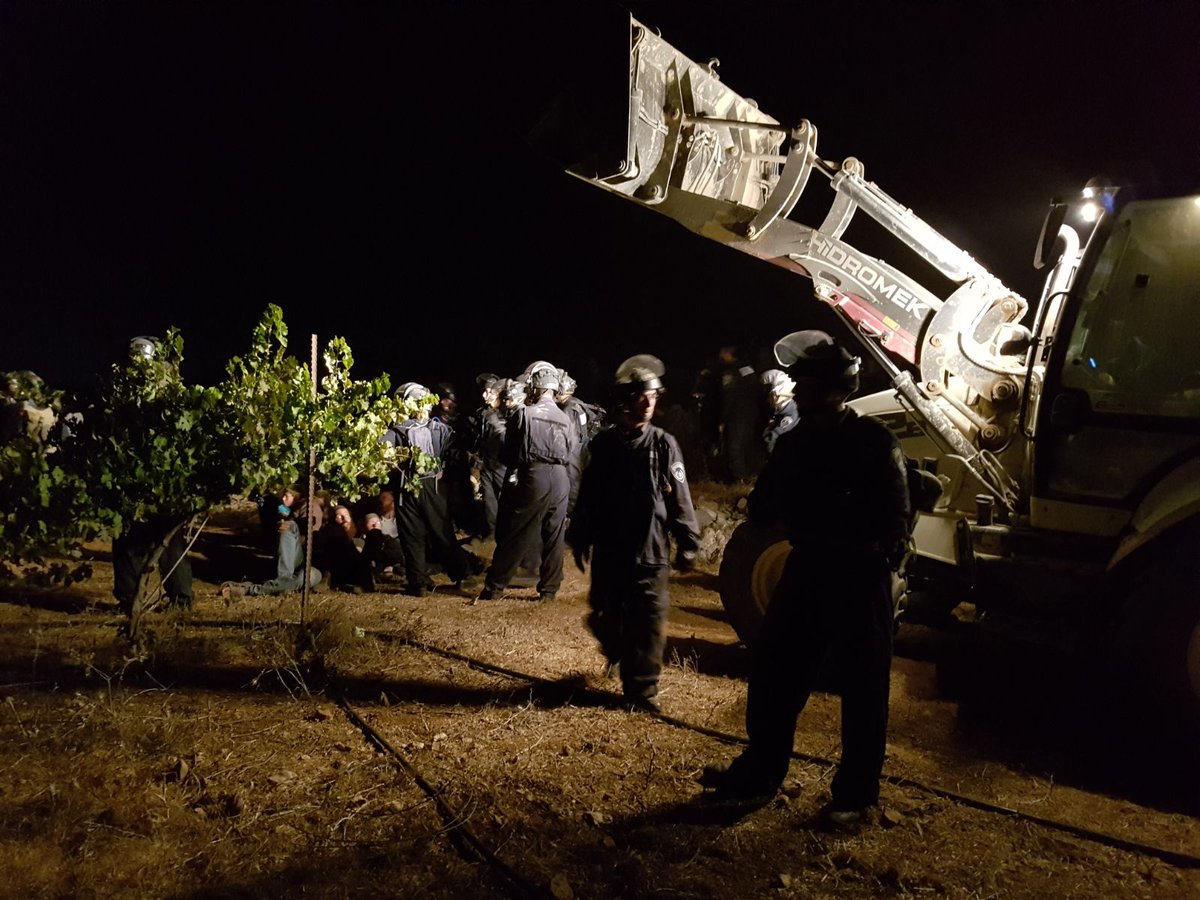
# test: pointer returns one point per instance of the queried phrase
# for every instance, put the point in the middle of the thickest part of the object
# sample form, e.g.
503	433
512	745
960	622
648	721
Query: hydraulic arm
710	159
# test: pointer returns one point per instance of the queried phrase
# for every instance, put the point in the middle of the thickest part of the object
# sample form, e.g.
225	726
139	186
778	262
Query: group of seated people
345	557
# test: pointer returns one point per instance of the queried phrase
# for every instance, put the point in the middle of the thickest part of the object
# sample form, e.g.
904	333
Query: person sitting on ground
289	552
335	552
387	514
383	552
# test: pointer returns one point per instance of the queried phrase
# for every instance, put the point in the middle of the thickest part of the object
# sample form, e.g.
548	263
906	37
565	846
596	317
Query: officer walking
633	499
424	518
538	446
837	484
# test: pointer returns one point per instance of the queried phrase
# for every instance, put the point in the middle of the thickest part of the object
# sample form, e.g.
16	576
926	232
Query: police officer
633	499
780	397
424	517
538	446
491	421
583	420
836	482
455	482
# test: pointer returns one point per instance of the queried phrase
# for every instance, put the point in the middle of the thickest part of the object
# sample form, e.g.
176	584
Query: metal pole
312	486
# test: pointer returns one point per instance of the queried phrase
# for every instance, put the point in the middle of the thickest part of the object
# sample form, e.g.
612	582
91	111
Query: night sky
367	167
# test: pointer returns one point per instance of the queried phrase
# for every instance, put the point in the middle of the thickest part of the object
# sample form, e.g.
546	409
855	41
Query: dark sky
366	167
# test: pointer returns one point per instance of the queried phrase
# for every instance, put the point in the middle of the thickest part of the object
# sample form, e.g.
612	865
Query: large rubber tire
751	566
1157	639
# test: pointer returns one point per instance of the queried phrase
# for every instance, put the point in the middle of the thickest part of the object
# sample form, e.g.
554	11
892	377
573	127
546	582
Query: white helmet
777	382
143	347
410	390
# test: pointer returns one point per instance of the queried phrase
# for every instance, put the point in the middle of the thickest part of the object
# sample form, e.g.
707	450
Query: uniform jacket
782	421
633	498
585	419
539	433
493	424
431	437
839	487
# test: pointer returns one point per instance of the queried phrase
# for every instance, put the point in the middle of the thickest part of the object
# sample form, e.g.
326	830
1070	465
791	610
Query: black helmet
543	379
814	354
641	373
487	380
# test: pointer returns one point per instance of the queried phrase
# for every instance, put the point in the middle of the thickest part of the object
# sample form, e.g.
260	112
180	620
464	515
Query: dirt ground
409	747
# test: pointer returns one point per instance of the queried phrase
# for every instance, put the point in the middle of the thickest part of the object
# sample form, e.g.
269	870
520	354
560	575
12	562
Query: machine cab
1119	411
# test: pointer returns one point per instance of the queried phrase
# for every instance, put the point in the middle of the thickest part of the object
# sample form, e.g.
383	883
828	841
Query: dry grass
215	764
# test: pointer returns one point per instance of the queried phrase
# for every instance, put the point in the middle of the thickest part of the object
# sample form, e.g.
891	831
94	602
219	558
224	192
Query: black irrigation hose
1174	857
469	846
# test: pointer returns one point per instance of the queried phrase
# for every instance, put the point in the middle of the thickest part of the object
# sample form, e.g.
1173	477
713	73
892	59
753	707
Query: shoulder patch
677	471
786	422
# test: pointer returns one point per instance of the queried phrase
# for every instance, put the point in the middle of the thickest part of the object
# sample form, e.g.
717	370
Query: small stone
440	736
282	777
609	842
890	818
560	887
785	880
592	817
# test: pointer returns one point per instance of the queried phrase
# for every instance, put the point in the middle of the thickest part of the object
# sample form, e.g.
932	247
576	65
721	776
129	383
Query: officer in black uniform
538	446
780	398
455	483
492	420
633	499
424	518
837	484
584	420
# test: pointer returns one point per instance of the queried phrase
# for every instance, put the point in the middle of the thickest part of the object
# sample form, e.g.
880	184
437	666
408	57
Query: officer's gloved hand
581	555
685	560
